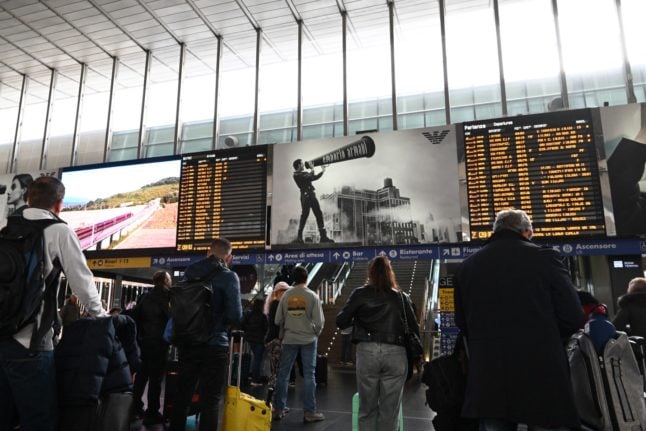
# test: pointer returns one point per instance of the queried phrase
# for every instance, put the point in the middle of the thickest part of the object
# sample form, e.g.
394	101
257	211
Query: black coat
90	360
151	314
632	311
516	305
254	324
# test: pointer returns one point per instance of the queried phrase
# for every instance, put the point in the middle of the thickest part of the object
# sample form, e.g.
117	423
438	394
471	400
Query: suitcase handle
240	335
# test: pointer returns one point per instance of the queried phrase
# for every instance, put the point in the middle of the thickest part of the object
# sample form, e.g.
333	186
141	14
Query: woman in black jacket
377	312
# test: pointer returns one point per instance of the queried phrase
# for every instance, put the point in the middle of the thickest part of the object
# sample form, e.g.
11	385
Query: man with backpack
29	280
203	357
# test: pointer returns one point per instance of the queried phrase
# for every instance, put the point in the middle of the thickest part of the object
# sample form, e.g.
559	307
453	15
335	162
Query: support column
216	111
628	74
393	81
501	71
564	95
79	111
256	112
344	32
144	100
447	100
177	147
299	102
11	164
48	119
108	127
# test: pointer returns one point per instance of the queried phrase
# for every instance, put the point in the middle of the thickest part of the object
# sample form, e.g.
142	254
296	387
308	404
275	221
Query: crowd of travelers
83	368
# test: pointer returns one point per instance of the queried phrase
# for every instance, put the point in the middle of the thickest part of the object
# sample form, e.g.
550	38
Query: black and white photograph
13	192
624	133
389	188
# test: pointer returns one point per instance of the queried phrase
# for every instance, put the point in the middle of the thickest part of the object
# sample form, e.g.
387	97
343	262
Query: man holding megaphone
303	179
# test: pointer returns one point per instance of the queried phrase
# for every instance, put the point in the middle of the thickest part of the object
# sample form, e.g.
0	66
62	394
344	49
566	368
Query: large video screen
390	188
223	194
13	191
123	206
546	165
624	134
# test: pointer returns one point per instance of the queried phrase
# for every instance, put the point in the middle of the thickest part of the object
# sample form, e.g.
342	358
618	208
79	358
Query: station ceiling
37	36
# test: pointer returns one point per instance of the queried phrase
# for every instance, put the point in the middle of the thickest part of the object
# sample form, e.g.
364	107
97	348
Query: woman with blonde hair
376	312
272	340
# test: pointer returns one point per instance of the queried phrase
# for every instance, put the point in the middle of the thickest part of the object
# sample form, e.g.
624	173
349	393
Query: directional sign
175	260
598	247
246	258
457	251
119	262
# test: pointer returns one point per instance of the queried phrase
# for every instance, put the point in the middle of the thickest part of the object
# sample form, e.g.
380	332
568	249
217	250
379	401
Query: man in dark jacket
208	363
151	314
516	305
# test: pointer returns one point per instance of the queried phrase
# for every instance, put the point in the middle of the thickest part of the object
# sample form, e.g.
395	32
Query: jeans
381	374
208	365
153	367
287	358
28	385
502	425
258	350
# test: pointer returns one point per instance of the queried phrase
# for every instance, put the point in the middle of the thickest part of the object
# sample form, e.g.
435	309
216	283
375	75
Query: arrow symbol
336	255
446	252
382	253
271	257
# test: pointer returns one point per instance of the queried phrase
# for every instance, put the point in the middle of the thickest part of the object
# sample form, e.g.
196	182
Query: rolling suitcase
608	388
320	374
242	412
639	349
171	381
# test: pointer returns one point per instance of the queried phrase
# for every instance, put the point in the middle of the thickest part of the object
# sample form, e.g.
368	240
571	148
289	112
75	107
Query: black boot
324	237
299	238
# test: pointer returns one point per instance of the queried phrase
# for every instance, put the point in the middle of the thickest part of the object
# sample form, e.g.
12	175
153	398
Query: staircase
329	342
409	274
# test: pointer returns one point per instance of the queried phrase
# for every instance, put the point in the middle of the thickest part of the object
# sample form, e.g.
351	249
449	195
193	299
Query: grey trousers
381	374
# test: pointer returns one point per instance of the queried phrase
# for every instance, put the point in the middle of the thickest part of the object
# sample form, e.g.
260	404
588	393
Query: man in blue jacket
208	363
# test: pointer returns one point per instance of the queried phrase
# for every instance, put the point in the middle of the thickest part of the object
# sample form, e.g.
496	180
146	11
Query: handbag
412	342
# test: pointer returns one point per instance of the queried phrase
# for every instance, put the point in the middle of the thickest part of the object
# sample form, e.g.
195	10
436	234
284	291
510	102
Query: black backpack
190	310
24	286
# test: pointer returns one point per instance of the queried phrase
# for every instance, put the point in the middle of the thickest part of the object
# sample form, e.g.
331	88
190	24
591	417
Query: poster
372	189
13	191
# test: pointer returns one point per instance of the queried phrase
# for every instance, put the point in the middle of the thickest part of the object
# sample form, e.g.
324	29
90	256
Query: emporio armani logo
436	137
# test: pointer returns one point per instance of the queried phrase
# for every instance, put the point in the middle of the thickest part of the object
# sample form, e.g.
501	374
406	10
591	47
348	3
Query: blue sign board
175	260
351	255
598	247
457	251
587	247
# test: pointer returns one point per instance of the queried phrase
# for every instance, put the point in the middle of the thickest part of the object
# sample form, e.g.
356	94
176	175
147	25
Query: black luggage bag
320	374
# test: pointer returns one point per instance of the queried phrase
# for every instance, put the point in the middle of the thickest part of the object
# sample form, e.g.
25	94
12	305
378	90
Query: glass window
418	63
8	117
197	137
369	76
161	106
33	126
529	54
94	117
198	104
633	13
591	52
237	89
322	80
472	62
278	88
126	112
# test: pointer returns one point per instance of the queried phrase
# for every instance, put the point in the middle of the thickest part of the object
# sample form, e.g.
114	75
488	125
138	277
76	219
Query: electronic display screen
544	164
388	188
123	206
223	194
624	136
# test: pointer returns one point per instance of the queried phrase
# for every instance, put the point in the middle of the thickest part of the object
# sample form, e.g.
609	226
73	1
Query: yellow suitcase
242	412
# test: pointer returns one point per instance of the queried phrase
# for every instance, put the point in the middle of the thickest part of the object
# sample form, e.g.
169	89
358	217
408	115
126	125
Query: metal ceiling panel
71	7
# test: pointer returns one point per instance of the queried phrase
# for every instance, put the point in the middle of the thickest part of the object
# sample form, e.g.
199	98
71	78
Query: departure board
223	194
543	164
